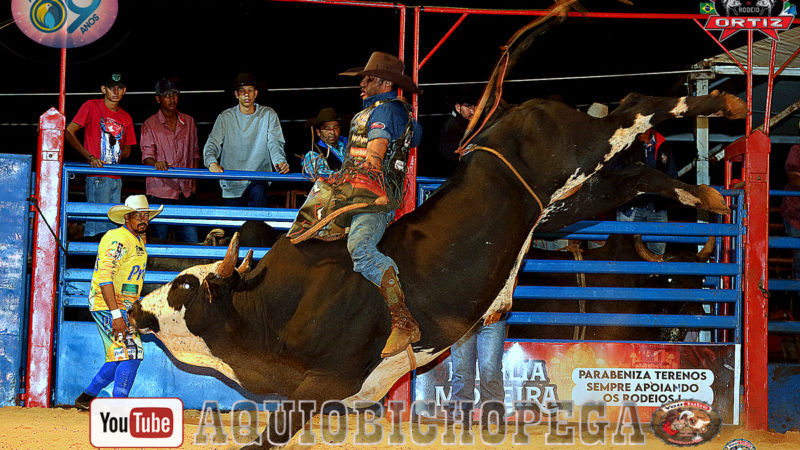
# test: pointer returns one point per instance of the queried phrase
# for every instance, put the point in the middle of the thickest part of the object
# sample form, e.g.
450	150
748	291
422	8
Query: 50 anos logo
64	23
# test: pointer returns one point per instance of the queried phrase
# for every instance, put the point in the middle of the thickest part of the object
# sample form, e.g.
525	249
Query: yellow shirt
121	260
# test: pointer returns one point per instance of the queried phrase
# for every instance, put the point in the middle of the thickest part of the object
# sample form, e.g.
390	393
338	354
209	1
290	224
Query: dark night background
299	45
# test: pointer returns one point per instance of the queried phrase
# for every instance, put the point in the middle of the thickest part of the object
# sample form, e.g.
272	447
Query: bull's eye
183	290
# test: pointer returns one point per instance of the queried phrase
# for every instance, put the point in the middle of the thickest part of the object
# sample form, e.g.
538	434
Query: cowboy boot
405	330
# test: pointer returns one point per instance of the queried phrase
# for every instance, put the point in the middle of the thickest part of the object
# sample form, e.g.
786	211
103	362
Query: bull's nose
143	320
134	313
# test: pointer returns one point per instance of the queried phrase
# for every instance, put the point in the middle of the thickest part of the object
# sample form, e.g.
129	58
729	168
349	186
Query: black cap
166	85
113	79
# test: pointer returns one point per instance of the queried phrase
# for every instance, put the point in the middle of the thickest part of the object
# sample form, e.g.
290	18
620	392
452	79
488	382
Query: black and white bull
616	248
303	324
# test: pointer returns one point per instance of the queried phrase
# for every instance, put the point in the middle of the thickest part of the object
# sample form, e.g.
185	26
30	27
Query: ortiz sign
766	16
614	374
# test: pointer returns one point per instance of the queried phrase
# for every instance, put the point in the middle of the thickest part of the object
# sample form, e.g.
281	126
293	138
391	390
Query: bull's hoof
711	200
735	108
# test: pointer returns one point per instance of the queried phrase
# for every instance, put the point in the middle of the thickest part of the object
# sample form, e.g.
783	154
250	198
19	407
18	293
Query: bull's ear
220	289
244	267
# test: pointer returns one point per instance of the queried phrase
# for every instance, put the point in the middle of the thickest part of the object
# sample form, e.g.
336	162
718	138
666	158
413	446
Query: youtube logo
136	422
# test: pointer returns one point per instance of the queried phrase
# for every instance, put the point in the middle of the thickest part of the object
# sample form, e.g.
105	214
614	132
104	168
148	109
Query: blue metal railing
74	282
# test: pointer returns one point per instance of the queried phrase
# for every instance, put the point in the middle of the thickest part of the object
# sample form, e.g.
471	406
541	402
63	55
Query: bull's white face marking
184	346
680	108
386	375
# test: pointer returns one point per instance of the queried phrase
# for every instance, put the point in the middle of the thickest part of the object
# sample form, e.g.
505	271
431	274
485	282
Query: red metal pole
749	73
62	86
442	40
786	64
756	167
45	257
401	391
721	46
410	200
770	83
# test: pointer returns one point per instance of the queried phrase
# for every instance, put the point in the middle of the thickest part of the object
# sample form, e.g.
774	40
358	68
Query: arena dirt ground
39	428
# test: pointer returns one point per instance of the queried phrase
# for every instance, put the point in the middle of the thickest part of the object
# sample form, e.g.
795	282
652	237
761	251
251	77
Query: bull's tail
516	45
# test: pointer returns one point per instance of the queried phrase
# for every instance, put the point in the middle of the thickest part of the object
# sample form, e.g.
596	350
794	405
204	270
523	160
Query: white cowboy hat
134	203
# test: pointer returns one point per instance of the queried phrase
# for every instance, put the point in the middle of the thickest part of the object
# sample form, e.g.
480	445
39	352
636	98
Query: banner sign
766	16
64	23
612	373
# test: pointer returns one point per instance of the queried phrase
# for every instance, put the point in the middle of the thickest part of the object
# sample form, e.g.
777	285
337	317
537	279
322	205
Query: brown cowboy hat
324	115
386	66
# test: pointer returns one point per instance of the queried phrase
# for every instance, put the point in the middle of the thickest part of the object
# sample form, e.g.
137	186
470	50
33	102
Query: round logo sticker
685	423
739	444
64	23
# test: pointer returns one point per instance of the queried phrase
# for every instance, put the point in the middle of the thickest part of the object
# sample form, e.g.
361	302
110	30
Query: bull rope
514	171
579	332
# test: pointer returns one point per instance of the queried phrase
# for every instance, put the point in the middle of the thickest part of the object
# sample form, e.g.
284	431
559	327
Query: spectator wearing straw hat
108	136
327	146
169	139
247	136
116	283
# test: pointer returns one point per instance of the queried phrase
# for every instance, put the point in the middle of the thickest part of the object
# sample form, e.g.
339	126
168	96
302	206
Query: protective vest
395	159
357	188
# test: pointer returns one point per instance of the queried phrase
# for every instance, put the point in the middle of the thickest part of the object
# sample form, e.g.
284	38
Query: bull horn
244	267
645	252
705	253
225	269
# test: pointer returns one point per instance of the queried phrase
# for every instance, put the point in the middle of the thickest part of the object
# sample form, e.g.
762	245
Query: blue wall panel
15	173
80	357
784	397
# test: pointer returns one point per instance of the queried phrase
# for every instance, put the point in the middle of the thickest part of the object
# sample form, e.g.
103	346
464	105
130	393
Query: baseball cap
166	85
113	79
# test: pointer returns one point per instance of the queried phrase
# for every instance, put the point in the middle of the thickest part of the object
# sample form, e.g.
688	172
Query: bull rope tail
498	76
577	254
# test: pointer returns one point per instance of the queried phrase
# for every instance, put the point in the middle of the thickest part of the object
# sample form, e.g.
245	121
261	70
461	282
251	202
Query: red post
755	280
401	391
45	257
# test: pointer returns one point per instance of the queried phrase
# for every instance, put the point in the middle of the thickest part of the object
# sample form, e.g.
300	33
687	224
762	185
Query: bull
616	248
303	324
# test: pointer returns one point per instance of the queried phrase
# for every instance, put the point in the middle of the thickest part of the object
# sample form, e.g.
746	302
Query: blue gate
14	239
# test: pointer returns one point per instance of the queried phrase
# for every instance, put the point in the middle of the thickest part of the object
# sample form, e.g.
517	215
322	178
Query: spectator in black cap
107	138
453	131
169	139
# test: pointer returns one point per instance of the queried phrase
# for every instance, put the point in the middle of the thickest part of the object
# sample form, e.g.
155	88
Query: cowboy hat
248	79
386	66
134	203
324	115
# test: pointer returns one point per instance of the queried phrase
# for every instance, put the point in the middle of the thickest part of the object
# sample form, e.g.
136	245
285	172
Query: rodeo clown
116	283
370	186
